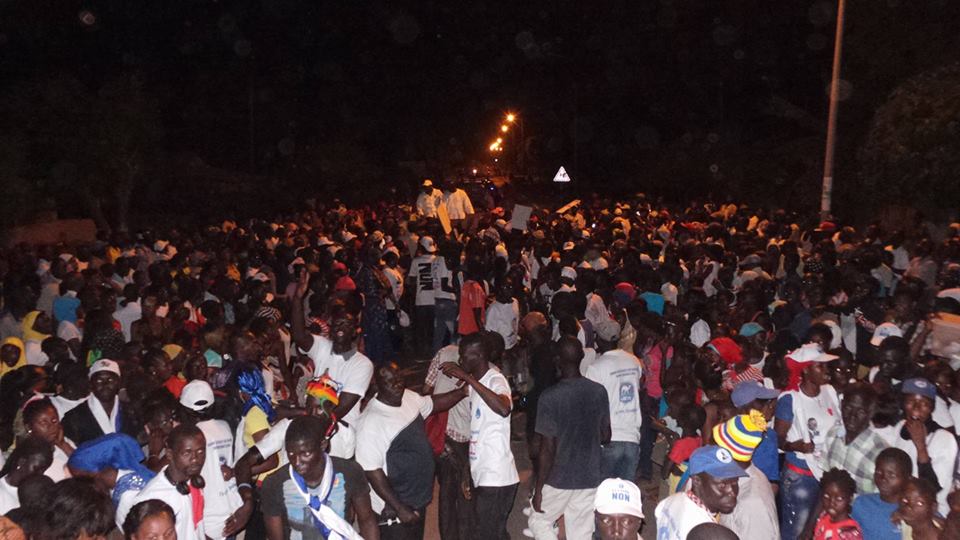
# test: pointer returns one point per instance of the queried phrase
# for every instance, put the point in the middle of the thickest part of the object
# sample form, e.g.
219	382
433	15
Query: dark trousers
492	506
648	436
423	330
456	518
403	531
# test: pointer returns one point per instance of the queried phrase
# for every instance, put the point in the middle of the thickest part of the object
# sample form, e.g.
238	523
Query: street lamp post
826	194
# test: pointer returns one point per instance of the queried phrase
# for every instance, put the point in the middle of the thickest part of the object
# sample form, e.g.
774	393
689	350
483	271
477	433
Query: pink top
653	361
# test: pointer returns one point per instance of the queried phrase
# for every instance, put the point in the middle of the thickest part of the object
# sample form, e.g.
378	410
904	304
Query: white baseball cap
197	395
617	496
568	272
428	244
884	331
105	365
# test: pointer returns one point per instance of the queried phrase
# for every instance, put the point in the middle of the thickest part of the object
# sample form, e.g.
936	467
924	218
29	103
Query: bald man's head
569	353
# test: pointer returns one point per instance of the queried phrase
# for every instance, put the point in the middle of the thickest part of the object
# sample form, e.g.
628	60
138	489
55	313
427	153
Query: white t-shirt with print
423	270
221	498
353	374
619	373
441	272
491	460
378	426
504	319
677	515
813	418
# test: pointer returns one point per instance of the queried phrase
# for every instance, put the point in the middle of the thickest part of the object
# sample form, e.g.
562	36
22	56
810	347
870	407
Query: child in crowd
873	511
836	493
690	418
917	513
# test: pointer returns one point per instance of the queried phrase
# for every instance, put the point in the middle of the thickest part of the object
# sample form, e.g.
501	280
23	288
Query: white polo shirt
491	460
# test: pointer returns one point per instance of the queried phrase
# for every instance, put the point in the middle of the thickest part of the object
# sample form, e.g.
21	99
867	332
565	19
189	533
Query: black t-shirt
280	497
411	464
574	411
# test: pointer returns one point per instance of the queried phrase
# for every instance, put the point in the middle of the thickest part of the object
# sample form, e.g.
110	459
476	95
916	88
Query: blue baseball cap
715	461
747	391
920	387
751	329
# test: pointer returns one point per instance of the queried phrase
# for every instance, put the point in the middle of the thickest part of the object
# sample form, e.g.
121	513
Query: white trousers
576	507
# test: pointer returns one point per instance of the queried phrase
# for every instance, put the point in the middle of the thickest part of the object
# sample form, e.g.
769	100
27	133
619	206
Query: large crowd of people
255	378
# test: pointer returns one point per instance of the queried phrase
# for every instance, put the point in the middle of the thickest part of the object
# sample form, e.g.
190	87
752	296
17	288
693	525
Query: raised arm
298	325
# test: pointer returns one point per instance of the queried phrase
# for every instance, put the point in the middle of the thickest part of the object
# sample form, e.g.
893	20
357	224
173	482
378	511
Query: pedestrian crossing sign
561	176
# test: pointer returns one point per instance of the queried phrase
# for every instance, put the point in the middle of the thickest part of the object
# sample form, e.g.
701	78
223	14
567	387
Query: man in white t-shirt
503	315
422	276
393	449
493	471
178	483
713	491
620	373
459	207
339	359
223	507
429	200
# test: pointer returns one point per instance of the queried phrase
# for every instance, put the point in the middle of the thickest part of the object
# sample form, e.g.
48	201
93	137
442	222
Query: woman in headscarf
116	460
257	416
12	355
37	326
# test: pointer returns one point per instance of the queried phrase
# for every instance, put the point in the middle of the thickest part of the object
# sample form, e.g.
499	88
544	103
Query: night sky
721	95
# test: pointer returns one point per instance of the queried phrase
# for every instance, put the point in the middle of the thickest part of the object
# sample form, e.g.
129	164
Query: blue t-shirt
654	302
784	412
766	457
873	515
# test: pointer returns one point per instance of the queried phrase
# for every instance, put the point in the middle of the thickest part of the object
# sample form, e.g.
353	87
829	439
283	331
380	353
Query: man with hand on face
311	497
713	491
339	359
393	449
618	510
492	468
101	413
180	484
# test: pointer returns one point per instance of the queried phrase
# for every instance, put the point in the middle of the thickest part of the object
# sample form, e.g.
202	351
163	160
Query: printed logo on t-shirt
424	276
477	413
627	392
813	427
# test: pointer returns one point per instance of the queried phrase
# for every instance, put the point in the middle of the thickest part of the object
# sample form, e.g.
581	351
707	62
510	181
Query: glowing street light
494	146
504	128
499	141
511	117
